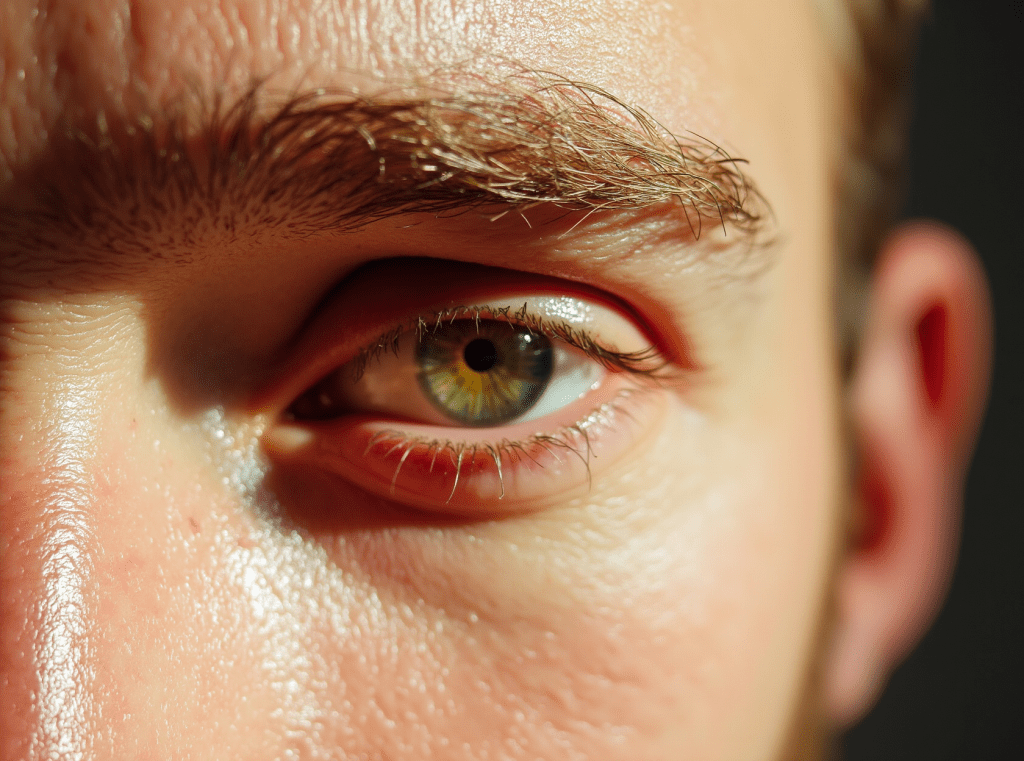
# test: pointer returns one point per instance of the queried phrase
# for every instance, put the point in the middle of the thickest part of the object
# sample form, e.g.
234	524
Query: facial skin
186	574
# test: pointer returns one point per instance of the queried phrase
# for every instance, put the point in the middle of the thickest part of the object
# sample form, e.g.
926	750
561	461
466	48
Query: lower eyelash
573	439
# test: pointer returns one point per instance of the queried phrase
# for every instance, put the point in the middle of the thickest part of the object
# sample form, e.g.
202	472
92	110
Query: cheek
721	590
178	650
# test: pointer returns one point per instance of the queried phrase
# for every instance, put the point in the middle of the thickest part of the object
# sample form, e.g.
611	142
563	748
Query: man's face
195	565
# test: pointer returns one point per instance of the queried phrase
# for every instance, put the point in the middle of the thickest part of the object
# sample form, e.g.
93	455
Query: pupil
480	355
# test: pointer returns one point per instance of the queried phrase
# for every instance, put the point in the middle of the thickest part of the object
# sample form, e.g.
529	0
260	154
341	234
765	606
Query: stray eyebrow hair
324	160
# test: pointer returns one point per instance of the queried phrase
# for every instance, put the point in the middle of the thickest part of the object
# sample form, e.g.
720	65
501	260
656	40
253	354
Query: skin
167	594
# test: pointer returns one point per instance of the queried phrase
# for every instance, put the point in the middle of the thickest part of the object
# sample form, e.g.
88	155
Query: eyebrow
324	160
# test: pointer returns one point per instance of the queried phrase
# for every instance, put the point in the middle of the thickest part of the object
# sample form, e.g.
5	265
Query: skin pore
182	572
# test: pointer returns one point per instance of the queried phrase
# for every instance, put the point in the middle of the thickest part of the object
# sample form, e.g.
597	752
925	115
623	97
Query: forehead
714	67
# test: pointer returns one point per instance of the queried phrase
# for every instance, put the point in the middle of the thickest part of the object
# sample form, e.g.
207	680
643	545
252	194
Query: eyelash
573	439
647	363
648	367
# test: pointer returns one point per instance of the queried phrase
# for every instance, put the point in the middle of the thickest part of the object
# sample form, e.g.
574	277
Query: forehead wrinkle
158	186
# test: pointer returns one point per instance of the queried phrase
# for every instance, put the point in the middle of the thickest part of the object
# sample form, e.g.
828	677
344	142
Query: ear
917	395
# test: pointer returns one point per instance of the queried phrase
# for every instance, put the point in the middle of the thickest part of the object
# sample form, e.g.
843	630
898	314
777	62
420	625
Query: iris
483	373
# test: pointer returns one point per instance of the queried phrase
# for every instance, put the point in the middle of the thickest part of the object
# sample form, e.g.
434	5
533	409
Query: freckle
194	525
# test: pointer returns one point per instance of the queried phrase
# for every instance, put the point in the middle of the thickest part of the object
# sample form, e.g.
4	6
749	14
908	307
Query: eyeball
481	373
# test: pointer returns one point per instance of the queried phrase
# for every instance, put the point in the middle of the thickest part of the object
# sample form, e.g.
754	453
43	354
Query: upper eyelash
648	362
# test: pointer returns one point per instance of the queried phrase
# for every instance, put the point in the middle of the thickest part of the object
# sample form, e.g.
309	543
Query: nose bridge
49	414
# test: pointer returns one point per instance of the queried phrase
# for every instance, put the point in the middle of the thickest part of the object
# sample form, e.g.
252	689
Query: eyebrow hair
324	160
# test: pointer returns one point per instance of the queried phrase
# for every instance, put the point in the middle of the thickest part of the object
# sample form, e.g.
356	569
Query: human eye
496	394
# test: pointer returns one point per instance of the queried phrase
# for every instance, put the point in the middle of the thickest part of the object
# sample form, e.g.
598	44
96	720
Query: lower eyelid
427	468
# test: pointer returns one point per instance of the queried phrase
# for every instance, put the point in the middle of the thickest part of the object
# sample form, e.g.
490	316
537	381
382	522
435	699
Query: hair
874	43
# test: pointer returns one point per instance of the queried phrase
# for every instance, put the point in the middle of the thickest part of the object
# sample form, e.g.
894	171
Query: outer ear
916	401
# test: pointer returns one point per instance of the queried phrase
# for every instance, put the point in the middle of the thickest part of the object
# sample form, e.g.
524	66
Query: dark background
961	694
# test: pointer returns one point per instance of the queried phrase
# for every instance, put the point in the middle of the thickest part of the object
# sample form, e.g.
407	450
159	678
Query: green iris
483	373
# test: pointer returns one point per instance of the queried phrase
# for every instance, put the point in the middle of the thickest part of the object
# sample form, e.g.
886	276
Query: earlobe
915	403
